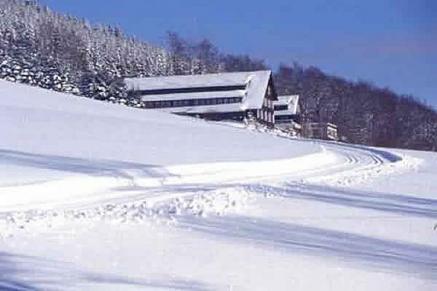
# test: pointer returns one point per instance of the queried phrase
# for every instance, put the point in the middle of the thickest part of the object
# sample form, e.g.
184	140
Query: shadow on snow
78	165
385	202
19	272
376	253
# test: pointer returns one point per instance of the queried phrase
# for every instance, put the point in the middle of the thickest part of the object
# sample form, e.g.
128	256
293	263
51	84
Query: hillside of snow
55	140
97	196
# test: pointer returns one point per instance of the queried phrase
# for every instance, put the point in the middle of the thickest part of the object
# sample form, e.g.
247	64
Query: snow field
102	197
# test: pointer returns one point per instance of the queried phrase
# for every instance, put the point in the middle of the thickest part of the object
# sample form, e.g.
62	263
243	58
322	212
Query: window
190	90
192	102
281	107
283	117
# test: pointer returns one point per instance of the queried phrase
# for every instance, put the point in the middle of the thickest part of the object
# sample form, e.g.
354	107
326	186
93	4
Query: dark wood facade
266	113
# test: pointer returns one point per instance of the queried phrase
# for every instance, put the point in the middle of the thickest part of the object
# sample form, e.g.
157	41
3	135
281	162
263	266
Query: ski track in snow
361	164
200	190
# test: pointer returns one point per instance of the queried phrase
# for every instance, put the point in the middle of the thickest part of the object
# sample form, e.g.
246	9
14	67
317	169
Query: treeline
364	113
201	57
47	49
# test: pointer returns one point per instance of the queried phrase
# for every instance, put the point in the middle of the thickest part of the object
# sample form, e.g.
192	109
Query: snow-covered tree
44	48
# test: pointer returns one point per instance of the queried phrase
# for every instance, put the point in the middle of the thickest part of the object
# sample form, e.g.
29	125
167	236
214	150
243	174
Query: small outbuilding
320	130
222	96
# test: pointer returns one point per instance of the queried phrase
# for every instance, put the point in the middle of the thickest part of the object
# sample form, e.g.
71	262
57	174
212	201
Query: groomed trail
335	164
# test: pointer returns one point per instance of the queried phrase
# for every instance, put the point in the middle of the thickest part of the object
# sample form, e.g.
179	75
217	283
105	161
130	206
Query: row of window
189	90
192	102
265	114
285	117
281	107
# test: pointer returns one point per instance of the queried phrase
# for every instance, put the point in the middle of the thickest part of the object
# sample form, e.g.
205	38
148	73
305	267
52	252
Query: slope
103	197
50	141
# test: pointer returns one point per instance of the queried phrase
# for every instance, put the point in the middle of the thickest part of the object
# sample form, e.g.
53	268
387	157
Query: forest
44	48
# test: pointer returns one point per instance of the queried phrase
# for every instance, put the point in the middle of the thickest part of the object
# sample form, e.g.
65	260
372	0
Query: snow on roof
255	83
291	100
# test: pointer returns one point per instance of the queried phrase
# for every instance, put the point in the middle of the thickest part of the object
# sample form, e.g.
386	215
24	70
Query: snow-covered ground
96	196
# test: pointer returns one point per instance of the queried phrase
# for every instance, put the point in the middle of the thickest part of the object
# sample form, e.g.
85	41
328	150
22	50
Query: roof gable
292	101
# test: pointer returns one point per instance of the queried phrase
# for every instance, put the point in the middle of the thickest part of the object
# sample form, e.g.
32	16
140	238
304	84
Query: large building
287	113
222	96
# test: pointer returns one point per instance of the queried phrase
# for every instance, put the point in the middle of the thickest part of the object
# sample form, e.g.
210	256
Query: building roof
251	86
292	101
